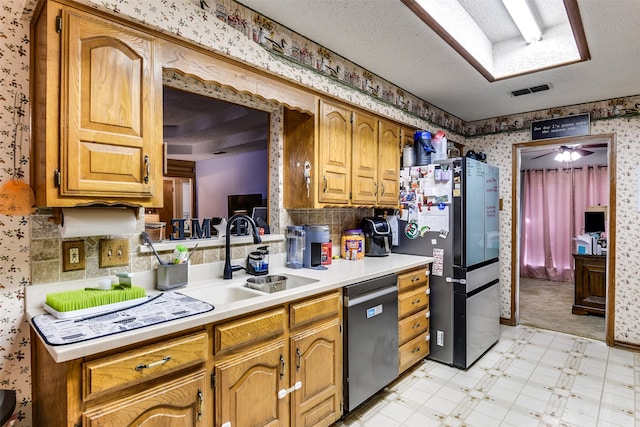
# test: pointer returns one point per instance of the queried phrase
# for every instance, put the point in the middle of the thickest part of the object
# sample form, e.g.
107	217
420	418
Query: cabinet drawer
135	366
412	326
182	402
413	278
249	330
304	312
413	351
411	301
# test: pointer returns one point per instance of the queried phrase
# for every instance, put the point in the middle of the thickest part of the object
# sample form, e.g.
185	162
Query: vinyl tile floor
531	377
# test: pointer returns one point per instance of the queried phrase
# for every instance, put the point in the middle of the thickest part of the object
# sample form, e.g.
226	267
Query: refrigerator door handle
451	280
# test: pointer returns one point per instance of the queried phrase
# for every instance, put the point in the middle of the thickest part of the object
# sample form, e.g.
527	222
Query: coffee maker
377	236
315	237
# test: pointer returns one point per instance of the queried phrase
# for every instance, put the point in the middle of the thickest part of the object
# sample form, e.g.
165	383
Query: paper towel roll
82	222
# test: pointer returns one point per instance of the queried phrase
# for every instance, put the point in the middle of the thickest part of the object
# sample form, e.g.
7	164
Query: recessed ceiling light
466	27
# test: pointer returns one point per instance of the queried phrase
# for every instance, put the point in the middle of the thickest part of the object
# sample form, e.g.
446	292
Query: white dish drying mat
161	308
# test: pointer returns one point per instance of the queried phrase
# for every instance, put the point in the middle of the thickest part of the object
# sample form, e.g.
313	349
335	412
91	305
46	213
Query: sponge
88	298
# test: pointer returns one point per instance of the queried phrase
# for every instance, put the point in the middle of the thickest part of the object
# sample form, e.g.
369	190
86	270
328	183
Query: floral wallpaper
231	30
15	234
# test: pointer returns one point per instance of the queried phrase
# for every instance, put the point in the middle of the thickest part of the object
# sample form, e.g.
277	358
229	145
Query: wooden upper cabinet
406	137
364	160
334	153
359	158
388	164
106	144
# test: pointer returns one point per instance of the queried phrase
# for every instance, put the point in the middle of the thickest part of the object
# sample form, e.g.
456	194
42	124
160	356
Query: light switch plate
114	253
73	257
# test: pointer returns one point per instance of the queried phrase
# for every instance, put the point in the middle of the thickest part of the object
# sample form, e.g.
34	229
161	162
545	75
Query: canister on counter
326	253
352	247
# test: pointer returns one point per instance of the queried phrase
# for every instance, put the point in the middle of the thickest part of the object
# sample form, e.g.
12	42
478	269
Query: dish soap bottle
258	261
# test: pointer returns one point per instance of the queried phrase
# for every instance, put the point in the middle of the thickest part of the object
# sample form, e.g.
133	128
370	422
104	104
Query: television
243	203
594	221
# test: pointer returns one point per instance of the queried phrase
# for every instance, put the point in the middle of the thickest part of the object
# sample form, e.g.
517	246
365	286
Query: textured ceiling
386	38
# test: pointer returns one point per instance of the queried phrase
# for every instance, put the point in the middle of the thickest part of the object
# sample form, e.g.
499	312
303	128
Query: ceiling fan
571	152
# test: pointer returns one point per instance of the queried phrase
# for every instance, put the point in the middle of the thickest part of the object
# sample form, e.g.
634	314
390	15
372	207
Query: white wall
243	173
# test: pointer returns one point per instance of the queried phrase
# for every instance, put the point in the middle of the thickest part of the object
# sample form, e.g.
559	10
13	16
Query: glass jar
352	245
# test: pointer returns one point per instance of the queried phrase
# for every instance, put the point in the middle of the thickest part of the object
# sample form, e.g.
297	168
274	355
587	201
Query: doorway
521	150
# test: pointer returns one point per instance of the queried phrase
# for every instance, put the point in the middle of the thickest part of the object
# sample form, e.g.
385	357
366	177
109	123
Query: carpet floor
547	305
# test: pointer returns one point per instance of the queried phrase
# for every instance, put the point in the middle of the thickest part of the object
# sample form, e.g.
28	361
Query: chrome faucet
228	270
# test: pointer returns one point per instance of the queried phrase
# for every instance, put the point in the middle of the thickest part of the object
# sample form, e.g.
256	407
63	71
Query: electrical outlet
73	255
114	253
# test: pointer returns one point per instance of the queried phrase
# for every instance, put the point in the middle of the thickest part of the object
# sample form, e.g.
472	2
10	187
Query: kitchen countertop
340	273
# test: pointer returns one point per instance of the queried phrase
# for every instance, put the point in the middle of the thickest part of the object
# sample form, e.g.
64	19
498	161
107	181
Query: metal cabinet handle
416	301
416	350
147	167
415	279
324	180
299	360
416	326
281	366
382	185
375	192
201	405
142	366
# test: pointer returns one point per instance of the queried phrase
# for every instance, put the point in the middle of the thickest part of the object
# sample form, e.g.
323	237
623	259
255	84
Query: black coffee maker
377	236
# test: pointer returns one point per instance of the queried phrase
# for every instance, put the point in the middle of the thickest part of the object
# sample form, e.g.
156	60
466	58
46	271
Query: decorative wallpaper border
290	47
626	107
294	49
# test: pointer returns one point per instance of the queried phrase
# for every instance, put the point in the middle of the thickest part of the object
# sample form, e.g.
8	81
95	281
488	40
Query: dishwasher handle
360	299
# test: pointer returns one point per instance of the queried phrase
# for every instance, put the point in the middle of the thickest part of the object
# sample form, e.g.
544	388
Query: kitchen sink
277	282
221	295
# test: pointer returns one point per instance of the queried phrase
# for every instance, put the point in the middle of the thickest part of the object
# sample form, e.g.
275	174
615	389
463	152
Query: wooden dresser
590	284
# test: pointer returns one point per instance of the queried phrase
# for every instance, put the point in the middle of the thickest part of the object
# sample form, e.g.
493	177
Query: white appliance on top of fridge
449	211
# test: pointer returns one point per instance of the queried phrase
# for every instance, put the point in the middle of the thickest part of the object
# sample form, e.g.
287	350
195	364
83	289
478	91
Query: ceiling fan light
559	157
575	155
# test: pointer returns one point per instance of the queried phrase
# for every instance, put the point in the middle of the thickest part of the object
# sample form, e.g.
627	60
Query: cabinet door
590	284
334	153
388	165
179	403
316	362
111	98
364	160
246	391
406	137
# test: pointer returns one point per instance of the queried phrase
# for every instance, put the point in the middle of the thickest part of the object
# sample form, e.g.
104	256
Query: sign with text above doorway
561	127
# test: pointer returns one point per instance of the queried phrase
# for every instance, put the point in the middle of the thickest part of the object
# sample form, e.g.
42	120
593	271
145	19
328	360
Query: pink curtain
554	201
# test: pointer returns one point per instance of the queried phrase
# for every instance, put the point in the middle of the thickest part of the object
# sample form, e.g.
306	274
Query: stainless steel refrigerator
450	212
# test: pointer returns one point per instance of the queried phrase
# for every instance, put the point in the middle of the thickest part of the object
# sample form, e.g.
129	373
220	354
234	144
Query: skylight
485	34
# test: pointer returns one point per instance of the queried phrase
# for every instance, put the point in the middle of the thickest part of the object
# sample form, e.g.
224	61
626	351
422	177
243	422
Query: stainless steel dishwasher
370	338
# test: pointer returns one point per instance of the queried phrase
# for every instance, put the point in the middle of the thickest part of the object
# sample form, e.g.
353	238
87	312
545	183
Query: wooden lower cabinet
161	383
287	373
277	367
590	284
246	388
178	403
317	367
413	317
